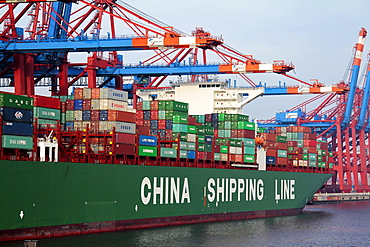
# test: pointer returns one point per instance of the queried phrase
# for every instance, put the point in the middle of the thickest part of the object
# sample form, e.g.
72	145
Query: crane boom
365	99
355	70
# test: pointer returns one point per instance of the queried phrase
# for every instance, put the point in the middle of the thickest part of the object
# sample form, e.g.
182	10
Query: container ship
88	163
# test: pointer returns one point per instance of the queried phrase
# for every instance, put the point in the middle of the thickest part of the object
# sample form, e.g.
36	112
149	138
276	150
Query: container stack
217	136
17	121
100	109
295	146
47	112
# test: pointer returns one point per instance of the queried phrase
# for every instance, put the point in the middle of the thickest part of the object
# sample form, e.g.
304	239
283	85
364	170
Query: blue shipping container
78	104
18	129
214	117
153	124
103	115
191	154
208	139
17	115
169	124
271	160
146	115
70	124
86	115
147	140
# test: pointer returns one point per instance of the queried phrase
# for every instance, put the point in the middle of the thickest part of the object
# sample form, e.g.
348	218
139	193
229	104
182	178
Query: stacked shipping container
218	136
295	146
17	121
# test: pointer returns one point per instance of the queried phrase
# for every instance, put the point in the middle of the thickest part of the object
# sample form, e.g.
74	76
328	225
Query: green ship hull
55	199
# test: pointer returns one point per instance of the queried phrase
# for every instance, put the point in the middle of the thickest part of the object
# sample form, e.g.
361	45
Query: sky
316	36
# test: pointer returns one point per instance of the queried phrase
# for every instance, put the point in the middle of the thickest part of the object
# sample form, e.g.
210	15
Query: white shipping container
95	104
86	93
78	115
107	104
232	150
113	94
295	162
77	124
121	127
238	150
192	137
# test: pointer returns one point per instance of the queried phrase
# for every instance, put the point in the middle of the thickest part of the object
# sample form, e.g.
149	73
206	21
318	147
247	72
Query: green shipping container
217	156
17	142
312	156
227	125
182	128
161	114
249	158
224	149
182	136
304	156
227	133
46	113
169	152
183	145
180	119
191	146
282	153
248	141
47	123
250	126
183	154
162	105
312	163
321	164
148	151
208	147
70	116
249	150
177	106
192	129
221	133
16	101
146	105
281	139
201	139
201	147
221	117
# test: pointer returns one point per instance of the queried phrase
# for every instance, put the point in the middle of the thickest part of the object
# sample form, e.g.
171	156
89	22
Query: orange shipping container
154	105
122	116
78	93
95	93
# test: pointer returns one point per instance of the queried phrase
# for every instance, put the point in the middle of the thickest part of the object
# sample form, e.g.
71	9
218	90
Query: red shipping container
125	149
86	104
125	138
271	144
95	115
292	143
70	105
312	143
47	102
154	105
294	156
271	152
215	133
208	118
282	161
234	133
216	148
161	124
201	155
232	157
141	129
154	113
78	93
290	162
312	136
139	106
139	115
147	123
289	129
122	116
269	136
95	93
324	145
169	134
209	155
238	158
248	134
192	120
312	149
63	107
282	145
139	123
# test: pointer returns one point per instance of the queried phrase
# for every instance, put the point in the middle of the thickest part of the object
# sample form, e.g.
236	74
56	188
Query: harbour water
344	224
